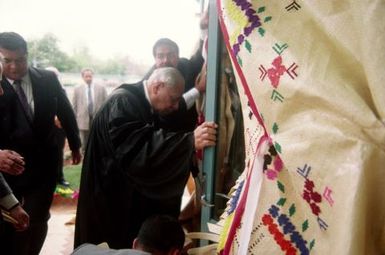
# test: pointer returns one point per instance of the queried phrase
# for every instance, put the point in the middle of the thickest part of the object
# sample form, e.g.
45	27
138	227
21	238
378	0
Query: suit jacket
80	103
36	140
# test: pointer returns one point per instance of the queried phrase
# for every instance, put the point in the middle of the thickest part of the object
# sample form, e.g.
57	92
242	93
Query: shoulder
79	87
183	66
128	94
41	73
46	80
183	62
135	89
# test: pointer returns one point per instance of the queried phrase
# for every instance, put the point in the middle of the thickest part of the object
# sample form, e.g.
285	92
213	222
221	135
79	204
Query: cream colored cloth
313	71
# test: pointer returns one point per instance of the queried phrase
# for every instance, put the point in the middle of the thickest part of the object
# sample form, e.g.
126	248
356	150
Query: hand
76	157
57	122
21	217
11	162
200	82
205	135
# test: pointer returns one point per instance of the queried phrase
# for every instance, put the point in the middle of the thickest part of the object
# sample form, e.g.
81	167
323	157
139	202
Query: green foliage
82	57
111	66
45	51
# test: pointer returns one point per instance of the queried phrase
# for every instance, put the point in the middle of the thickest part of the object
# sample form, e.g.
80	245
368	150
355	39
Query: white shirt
26	85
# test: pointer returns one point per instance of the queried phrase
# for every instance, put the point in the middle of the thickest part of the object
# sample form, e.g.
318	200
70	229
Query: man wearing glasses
31	99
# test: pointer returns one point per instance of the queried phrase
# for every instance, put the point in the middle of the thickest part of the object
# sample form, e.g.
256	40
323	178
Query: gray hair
170	76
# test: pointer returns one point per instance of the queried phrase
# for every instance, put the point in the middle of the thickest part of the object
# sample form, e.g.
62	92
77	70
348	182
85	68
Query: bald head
168	75
165	88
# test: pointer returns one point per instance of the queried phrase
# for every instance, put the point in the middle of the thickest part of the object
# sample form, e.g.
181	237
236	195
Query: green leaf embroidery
305	225
261	31
281	201
292	210
239	61
275	128
281	187
278	147
267	19
312	243
248	46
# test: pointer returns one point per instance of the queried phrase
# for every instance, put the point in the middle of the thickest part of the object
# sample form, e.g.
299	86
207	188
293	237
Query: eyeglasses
18	61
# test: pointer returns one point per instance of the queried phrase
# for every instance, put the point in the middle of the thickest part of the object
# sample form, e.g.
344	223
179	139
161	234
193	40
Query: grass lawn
72	175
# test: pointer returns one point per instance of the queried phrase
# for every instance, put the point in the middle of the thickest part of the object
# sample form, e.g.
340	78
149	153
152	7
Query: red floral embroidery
278	164
267	219
309	185
271	174
275	73
278	236
315	208
312	197
316	197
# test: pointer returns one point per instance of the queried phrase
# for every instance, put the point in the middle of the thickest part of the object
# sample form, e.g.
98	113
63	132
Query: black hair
161	233
165	41
12	41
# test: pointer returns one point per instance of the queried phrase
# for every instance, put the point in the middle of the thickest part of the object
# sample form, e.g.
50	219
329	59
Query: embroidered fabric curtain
311	80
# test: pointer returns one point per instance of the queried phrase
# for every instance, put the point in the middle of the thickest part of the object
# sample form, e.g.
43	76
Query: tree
45	52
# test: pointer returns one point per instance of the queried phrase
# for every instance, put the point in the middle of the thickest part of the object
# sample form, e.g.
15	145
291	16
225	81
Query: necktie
23	99
90	102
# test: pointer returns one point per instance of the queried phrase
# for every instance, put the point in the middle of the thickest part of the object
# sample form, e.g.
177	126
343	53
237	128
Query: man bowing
133	169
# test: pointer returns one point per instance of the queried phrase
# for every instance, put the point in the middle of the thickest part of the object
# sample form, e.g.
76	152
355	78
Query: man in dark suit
11	162
32	97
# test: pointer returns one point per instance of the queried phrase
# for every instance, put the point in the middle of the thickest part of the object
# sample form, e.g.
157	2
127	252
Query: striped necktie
23	99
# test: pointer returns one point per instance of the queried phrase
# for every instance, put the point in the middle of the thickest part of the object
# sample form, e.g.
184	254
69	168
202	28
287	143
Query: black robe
131	170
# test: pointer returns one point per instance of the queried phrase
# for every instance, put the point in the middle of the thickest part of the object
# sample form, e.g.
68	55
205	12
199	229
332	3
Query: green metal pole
213	63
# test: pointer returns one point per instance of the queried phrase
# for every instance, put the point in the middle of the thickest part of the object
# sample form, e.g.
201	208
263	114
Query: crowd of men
138	144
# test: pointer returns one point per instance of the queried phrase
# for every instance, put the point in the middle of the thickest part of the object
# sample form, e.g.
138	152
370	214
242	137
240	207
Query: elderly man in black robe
133	169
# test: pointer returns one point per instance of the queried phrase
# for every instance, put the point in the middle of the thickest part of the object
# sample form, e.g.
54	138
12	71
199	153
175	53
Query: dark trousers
30	241
61	138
